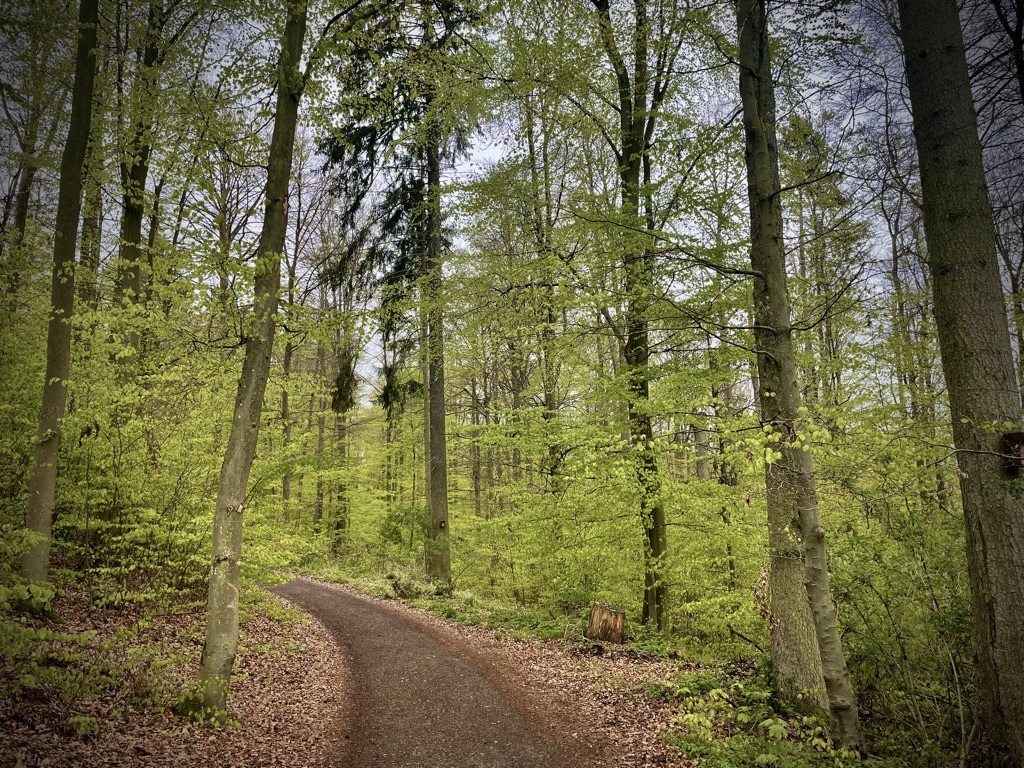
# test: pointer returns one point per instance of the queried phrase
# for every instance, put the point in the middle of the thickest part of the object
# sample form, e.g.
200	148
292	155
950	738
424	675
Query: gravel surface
425	696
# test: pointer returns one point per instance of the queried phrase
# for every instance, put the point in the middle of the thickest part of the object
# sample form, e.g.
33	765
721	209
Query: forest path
424	698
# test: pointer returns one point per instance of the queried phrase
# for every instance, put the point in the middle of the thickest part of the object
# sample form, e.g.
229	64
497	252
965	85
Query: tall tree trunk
476	463
805	644
438	553
974	341
24	197
540	183
286	418
43	484
26	175
92	231
340	524
134	173
289	352
222	605
640	94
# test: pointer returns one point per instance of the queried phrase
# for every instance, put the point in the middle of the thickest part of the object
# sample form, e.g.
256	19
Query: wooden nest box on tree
607	624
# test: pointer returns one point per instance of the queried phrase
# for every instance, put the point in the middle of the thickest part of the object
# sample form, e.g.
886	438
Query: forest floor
366	682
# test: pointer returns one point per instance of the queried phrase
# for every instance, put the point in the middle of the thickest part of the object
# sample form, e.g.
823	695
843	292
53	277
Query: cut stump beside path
607	624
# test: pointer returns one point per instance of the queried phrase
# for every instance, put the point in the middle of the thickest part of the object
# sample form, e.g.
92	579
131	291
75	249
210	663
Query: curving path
421	700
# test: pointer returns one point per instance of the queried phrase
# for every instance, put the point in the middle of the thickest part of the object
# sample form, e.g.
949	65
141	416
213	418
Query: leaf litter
289	693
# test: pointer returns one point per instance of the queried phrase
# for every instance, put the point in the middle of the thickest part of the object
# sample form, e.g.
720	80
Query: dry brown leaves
287	693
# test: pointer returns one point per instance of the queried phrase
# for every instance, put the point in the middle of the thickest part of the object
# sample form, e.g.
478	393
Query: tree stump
607	623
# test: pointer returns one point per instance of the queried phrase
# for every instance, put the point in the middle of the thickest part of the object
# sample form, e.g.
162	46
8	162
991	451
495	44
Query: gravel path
422	699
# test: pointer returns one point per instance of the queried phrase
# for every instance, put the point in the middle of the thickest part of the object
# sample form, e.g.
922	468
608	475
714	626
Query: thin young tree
643	79
222	603
43	485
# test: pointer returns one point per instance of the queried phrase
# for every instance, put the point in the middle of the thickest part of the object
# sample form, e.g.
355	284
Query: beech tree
43	485
805	634
222	605
640	96
977	360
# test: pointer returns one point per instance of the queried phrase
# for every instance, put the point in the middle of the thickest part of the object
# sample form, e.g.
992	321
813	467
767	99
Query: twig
741	636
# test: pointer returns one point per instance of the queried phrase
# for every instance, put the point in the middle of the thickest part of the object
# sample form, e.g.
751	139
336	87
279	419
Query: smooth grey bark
43	484
805	653
222	603
438	553
977	360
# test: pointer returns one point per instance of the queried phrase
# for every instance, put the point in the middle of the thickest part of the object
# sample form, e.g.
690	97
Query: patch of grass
468	608
462	606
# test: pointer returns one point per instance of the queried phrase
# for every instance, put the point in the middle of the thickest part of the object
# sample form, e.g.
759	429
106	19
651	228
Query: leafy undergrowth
728	718
83	686
712	715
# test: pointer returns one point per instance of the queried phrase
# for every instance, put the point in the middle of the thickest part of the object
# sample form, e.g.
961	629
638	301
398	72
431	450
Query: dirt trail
422	699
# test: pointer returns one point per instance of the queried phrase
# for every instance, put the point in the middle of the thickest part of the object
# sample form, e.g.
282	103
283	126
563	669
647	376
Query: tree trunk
640	95
92	231
43	484
974	341
286	418
25	175
805	641
134	172
340	523
438	552
222	605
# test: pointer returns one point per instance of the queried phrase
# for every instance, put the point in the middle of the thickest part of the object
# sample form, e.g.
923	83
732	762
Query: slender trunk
318	504
286	418
289	352
134	173
639	97
700	440
22	199
977	359
542	222
341	517
805	641
92	233
438	552
289	347
475	452
425	373
43	483
222	621
321	421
